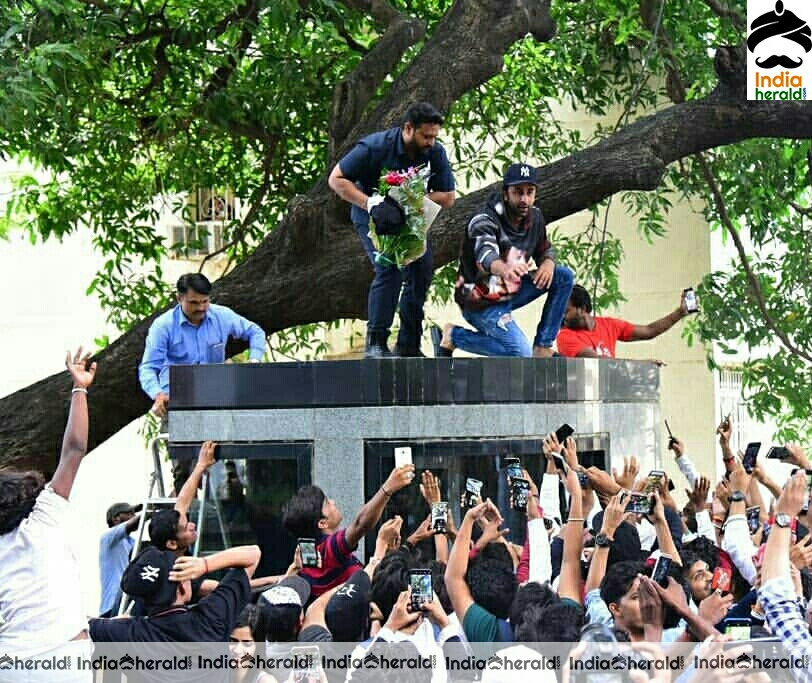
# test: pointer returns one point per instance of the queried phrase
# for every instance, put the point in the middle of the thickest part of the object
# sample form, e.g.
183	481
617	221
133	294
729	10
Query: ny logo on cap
525	172
150	573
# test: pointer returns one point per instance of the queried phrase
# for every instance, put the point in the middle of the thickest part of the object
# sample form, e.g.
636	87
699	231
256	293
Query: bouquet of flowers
407	188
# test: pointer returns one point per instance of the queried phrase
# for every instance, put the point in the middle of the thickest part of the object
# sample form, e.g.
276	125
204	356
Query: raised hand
400	478
699	496
80	373
205	458
430	488
626	478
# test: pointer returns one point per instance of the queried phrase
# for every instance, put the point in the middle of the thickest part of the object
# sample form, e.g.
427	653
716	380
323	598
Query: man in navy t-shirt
355	179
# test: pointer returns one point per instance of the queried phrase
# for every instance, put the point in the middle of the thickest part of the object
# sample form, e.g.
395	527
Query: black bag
388	216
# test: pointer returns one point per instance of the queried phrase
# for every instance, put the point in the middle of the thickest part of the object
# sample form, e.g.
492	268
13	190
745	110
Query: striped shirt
337	563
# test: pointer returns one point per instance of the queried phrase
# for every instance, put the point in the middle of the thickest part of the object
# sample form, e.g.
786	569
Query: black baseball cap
347	612
117	509
147	577
519	174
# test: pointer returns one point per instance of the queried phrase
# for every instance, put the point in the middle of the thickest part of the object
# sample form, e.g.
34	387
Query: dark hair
702	548
626	547
493	585
423	112
390	580
580	298
531	594
252	617
163	527
302	513
438	585
195	281
394	652
18	494
280	622
619	579
557	622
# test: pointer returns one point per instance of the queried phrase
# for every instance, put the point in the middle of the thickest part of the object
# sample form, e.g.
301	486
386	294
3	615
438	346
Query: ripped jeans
497	332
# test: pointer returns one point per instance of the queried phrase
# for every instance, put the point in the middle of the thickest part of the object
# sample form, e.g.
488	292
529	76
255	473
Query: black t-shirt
209	621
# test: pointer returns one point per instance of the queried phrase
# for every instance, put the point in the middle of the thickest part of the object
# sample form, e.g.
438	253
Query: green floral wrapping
408	189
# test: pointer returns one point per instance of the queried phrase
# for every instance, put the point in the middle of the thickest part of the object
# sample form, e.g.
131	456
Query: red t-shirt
602	339
337	564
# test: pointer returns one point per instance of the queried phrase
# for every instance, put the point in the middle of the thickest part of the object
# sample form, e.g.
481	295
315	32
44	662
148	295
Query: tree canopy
122	101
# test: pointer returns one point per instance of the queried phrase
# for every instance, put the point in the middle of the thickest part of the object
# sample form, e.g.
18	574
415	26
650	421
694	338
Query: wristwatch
783	520
603	541
736	497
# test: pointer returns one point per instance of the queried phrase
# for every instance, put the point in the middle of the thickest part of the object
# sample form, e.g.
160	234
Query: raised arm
205	459
241	557
372	510
569	585
656	328
74	442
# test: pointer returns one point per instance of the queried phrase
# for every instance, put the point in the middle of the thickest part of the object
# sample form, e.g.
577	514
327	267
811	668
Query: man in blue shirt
355	179
192	333
114	554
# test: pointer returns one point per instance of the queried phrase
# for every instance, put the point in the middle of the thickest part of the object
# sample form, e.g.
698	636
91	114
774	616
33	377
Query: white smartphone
403	456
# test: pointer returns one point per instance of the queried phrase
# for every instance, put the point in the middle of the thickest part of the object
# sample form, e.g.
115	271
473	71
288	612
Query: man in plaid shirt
777	594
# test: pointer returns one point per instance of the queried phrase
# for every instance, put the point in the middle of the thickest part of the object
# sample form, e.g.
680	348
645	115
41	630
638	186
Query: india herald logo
779	25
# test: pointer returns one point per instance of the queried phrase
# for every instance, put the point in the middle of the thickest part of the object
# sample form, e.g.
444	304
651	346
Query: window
731	402
211	209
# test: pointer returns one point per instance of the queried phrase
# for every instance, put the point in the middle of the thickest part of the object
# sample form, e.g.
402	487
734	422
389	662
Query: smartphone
805	507
473	492
690	300
721	580
307	664
640	503
753	522
653	480
778	453
307	548
420	583
439	512
583	479
739	629
563	433
403	456
513	466
660	573
560	464
750	455
519	493
671	439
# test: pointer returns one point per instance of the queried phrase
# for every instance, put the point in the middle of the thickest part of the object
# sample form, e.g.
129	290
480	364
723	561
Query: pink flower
394	178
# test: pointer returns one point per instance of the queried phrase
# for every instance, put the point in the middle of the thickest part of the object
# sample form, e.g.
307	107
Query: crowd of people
608	558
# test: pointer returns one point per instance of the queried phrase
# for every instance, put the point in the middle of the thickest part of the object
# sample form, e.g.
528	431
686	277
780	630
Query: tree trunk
312	268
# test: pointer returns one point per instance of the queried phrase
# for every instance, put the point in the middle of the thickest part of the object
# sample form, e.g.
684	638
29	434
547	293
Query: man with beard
355	179
507	261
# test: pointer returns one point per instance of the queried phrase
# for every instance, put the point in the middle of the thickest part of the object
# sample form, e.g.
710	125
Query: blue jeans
384	293
497	332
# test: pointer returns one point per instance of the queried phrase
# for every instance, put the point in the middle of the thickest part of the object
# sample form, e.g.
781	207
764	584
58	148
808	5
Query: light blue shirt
173	340
114	556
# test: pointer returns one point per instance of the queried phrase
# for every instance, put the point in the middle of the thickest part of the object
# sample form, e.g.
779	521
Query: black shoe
436	339
376	345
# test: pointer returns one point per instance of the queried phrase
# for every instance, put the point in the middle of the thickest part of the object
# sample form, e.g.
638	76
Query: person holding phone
584	335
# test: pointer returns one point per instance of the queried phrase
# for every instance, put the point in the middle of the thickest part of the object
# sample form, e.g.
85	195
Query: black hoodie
490	236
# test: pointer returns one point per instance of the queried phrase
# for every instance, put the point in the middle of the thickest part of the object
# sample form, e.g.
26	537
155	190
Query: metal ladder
153	502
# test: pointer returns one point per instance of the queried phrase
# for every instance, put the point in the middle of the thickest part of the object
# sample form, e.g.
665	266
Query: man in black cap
163	582
506	262
115	547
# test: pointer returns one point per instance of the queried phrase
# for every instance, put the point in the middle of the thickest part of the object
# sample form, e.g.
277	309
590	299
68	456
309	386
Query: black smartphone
519	493
690	300
640	503
513	466
563	433
473	492
420	583
660	573
583	479
560	464
778	453
307	548
753	522
439	511
750	455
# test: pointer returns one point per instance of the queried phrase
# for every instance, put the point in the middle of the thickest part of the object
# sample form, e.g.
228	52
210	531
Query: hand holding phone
308	552
421	588
403	456
519	493
750	455
661	569
689	298
778	453
439	514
